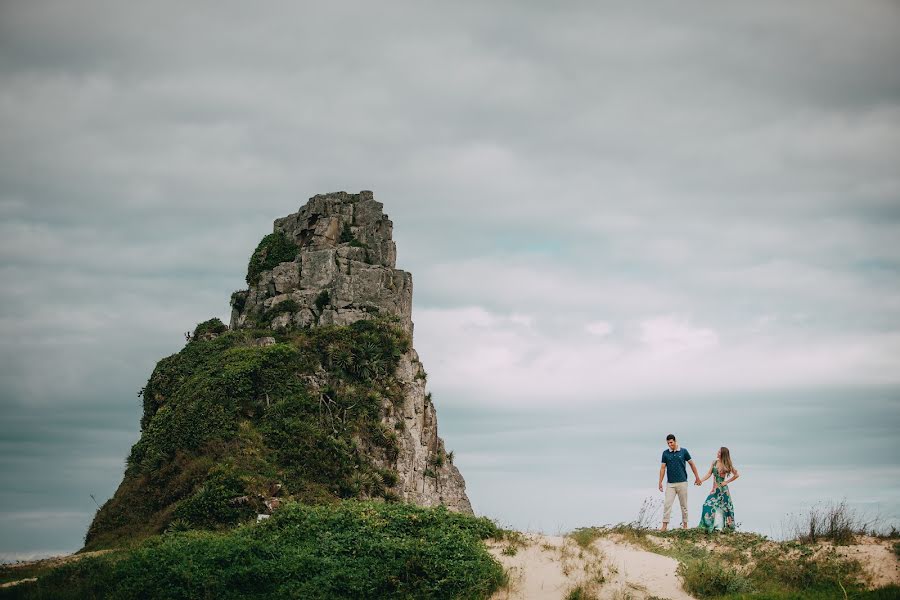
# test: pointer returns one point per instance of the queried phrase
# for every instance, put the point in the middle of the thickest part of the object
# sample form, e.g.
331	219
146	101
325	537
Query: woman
718	511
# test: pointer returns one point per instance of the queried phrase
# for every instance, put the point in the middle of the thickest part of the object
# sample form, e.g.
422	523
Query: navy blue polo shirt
676	472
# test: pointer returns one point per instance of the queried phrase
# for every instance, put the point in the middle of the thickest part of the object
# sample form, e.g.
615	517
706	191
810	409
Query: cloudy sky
620	221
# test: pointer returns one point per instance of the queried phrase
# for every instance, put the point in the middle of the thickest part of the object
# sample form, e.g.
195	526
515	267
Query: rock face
345	271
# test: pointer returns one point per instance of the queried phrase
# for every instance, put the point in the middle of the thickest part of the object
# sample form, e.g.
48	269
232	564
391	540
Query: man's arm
696	474
662	472
708	473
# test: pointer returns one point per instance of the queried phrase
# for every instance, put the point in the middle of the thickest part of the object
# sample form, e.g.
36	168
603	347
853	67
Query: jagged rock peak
342	268
328	220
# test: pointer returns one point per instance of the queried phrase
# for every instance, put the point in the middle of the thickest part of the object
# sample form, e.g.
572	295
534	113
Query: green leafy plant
345	550
211	326
272	250
710	578
239	300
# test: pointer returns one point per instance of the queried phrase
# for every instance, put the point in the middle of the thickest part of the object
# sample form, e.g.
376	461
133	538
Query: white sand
877	558
550	567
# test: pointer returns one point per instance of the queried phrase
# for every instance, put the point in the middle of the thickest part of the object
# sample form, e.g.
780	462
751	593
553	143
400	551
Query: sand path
550	567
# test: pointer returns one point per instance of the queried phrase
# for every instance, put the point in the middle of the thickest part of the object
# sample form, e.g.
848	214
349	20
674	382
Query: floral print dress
718	511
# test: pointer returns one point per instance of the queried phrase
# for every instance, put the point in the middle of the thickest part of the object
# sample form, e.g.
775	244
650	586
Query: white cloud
671	335
475	356
599	328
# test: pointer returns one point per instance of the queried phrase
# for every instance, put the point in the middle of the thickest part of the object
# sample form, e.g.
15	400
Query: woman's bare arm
734	476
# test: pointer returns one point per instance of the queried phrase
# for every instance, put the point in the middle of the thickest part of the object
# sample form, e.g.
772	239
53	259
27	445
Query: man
673	461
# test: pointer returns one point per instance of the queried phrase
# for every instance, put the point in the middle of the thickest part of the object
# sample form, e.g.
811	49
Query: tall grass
833	522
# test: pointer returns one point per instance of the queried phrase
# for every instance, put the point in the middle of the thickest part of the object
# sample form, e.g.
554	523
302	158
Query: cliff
313	393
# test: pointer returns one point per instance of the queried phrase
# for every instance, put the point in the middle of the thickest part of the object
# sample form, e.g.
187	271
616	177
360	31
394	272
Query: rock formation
345	271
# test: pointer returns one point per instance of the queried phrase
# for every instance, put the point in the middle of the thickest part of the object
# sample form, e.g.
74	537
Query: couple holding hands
718	510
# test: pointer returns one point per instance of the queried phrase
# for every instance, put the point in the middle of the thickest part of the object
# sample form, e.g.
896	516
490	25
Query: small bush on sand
709	578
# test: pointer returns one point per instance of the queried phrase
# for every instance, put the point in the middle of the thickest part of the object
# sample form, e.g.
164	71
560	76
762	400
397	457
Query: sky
621	221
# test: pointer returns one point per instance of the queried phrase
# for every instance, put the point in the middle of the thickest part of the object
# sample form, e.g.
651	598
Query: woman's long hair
725	464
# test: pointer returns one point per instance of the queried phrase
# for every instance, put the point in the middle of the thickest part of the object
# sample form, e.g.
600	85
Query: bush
212	505
708	578
272	250
239	300
212	326
348	550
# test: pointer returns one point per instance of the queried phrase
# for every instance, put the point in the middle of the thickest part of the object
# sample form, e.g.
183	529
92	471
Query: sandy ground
877	558
550	567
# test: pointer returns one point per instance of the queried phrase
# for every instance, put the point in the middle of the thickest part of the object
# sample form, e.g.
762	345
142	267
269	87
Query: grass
834	522
347	550
580	592
515	540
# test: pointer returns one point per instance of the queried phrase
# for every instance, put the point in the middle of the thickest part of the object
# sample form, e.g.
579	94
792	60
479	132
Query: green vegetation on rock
212	326
227	421
272	250
347	550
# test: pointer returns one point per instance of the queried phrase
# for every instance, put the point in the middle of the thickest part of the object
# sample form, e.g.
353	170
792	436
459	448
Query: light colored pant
673	489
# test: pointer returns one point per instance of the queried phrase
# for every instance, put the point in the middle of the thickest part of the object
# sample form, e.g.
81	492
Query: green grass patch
585	536
348	550
890	592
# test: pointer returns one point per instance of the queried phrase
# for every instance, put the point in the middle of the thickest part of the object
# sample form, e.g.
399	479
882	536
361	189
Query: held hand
697	481
660	486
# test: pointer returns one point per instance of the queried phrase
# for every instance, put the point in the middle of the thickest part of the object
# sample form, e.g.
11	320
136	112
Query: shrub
710	578
213	504
346	234
212	326
272	250
239	300
347	550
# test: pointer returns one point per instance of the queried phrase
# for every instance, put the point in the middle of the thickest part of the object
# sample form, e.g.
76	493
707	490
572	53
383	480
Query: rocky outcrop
345	271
